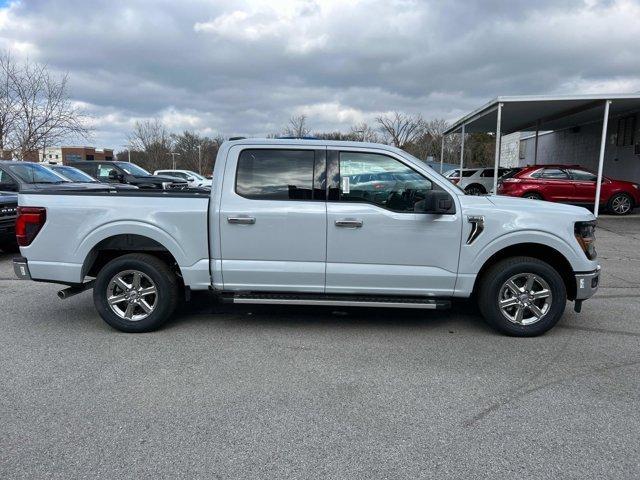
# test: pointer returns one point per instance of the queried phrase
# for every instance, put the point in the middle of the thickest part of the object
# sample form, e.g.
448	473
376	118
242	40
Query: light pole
173	159
200	159
128	147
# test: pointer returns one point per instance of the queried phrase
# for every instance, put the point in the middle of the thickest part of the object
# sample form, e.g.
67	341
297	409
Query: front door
273	224
376	242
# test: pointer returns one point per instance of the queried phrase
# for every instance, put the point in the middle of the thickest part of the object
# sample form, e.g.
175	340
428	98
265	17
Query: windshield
34	173
74	174
133	169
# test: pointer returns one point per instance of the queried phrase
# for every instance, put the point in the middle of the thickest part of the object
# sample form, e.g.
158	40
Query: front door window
381	180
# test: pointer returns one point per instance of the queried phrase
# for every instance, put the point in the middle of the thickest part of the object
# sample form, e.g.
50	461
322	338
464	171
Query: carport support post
603	144
535	151
497	154
442	153
461	153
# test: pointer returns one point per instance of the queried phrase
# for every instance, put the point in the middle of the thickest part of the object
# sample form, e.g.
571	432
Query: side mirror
190	179
437	202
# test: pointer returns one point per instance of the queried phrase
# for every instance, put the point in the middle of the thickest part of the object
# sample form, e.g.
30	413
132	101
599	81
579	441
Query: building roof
554	112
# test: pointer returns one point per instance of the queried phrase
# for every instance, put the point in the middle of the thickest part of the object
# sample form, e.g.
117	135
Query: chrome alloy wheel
524	298
132	295
621	204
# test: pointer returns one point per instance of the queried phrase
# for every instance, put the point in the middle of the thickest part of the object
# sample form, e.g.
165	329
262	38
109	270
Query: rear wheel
522	296
532	196
475	189
620	204
135	293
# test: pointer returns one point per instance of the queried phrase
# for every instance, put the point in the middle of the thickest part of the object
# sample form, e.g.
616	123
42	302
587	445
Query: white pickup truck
311	222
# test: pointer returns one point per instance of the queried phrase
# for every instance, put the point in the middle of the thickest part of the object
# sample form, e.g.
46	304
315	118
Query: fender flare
526	237
129	227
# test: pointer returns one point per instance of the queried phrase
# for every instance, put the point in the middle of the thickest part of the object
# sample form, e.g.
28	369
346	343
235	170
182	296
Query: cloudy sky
244	67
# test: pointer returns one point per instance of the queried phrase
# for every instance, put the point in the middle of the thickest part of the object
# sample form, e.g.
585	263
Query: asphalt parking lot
228	392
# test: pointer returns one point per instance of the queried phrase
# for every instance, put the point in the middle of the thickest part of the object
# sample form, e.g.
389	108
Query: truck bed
78	221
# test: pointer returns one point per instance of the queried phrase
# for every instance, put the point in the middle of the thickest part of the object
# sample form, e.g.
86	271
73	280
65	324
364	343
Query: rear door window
280	174
582	175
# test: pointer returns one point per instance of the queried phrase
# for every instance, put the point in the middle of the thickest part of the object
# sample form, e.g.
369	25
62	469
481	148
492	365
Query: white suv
194	179
475	181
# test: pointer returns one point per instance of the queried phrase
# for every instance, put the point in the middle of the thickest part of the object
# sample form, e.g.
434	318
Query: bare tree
152	138
297	127
8	101
399	128
38	111
363	132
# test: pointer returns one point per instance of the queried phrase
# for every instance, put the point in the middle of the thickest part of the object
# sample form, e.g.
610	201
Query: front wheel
135	293
522	296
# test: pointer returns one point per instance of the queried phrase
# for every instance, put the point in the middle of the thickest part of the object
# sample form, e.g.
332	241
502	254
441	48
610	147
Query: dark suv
8	214
125	172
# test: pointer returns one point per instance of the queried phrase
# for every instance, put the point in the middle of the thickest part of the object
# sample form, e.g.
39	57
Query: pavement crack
524	393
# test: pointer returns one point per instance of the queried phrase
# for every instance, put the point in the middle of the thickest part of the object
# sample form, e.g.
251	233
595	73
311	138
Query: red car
571	184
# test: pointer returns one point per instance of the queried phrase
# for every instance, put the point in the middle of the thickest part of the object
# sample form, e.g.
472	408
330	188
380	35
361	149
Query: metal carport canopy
505	115
553	112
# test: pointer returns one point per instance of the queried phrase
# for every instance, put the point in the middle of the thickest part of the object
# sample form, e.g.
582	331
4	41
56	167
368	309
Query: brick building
68	155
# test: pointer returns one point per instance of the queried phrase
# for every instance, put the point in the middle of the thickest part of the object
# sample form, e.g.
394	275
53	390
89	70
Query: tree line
153	147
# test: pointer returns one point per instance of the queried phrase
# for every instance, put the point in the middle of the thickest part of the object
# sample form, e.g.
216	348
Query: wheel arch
117	245
540	251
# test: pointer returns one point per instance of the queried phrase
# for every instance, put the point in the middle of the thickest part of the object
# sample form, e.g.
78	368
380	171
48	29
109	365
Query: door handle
349	223
242	220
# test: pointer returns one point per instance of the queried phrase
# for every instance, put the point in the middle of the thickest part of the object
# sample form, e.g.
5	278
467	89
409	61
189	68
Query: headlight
636	186
585	233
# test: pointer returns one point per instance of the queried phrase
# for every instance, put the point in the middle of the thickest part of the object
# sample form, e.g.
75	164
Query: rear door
273	223
584	184
376	242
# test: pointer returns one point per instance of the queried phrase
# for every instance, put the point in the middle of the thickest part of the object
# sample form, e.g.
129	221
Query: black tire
493	281
158	272
475	189
532	196
620	204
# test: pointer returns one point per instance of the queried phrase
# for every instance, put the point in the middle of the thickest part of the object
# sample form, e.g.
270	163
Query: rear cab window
281	174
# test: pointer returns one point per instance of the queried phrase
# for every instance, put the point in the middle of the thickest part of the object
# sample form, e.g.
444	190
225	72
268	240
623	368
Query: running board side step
339	301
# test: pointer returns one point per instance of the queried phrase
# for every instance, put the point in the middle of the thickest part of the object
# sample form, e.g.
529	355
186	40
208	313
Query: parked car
282	225
571	184
8	214
78	176
115	172
16	176
194	179
475	181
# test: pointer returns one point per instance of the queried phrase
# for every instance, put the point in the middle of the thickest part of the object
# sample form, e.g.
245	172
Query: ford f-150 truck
311	222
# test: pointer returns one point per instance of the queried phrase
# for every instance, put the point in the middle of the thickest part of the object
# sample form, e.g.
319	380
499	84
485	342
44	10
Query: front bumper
21	268
587	284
